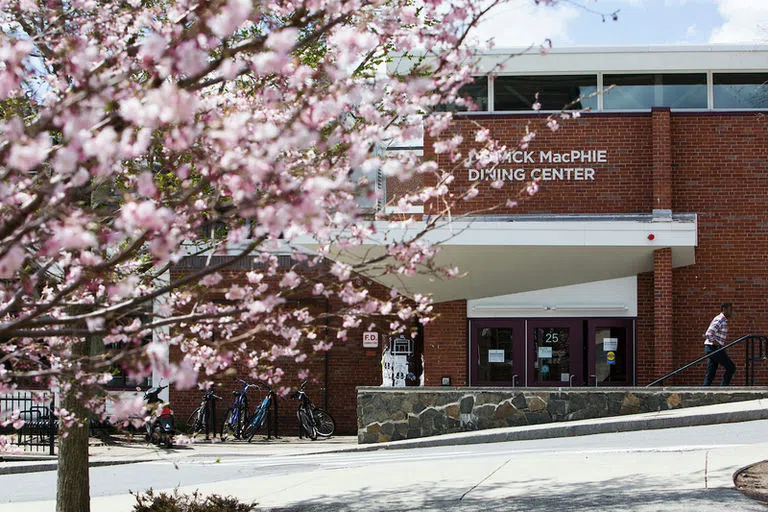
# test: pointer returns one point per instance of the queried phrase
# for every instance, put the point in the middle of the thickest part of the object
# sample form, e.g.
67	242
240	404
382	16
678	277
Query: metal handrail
705	356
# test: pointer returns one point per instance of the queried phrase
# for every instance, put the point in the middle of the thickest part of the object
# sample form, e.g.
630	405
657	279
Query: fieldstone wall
391	414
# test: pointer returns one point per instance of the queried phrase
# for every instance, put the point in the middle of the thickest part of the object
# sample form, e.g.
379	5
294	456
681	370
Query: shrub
195	502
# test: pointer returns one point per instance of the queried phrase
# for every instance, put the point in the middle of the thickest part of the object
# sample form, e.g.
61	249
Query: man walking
714	338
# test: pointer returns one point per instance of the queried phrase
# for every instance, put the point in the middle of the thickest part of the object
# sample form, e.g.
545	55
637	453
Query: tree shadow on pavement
616	495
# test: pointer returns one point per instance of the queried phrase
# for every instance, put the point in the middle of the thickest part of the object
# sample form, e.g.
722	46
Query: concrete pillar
663	349
446	345
662	163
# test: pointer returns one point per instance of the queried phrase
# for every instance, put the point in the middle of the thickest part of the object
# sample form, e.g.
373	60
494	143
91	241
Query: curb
567	429
52	466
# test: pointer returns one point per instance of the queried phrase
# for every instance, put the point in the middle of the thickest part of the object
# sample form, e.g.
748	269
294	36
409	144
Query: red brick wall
622	185
446	345
720	171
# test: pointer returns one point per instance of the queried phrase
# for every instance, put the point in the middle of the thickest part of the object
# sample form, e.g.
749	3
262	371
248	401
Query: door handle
595	377
514	379
570	380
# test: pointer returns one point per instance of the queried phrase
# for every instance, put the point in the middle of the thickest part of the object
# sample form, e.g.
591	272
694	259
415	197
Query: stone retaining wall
391	414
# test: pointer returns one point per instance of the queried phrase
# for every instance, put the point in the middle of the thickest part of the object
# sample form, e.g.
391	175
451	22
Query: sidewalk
127	451
122	449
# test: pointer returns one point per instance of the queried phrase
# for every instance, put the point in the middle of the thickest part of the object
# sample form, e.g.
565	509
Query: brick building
651	211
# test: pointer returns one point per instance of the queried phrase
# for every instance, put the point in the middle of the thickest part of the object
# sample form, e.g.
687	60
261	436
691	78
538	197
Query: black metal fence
35	409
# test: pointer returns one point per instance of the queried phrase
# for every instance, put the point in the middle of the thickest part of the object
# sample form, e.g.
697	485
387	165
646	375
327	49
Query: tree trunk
72	484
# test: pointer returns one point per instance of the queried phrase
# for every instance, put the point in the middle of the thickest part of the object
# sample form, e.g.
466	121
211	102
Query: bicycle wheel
229	428
255	424
323	421
195	423
306	424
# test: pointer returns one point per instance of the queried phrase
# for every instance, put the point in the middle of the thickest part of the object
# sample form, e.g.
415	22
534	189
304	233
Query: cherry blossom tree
137	132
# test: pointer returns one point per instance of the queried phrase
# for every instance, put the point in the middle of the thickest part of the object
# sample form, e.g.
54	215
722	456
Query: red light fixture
651	236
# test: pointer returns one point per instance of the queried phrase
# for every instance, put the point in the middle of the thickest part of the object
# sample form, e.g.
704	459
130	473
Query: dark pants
721	358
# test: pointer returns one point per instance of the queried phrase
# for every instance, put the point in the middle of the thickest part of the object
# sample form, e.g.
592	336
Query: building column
663	349
662	163
446	345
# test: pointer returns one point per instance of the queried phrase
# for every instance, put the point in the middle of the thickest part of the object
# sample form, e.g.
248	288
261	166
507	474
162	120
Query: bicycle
238	414
260	415
313	421
200	419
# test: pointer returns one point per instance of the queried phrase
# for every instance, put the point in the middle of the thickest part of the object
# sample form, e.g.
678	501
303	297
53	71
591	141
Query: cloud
691	31
745	21
521	23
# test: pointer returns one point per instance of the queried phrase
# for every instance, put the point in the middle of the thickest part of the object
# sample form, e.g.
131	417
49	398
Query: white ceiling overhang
509	254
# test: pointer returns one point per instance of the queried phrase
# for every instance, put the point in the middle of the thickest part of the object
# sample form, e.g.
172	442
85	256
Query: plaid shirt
717	331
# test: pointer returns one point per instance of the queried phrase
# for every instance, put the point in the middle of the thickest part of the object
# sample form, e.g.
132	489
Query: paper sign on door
545	352
495	356
610	344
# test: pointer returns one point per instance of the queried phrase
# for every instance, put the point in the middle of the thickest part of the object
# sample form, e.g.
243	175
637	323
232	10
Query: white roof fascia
620	59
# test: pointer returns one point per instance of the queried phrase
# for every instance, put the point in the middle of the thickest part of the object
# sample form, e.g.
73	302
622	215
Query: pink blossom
185	375
94	324
254	277
72	237
127	407
290	280
11	262
482	135
28	156
235	293
230	17
157	352
7	445
342	271
152	47
144	216
553	125
283	40
145	185
211	279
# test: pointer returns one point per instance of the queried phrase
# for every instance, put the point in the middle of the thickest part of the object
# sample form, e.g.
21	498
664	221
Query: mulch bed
753	481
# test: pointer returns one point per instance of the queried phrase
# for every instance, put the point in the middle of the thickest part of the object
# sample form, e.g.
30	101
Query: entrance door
497	352
610	350
555	352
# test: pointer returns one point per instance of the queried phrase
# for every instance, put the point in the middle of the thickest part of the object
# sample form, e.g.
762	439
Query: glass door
611	352
555	352
497	352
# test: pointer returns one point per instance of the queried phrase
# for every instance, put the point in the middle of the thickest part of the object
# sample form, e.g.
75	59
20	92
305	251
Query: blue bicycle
238	415
260	414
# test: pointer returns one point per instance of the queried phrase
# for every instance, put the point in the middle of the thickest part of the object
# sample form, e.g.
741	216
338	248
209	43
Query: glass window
740	90
495	353
555	92
552	361
611	351
675	90
477	91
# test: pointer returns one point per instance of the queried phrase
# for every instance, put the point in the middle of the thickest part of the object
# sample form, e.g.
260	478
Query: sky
640	22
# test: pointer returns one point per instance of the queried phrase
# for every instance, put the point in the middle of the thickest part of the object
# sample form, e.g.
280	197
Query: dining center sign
573	165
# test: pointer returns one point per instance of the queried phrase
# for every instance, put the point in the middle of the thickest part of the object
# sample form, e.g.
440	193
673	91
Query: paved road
660	470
